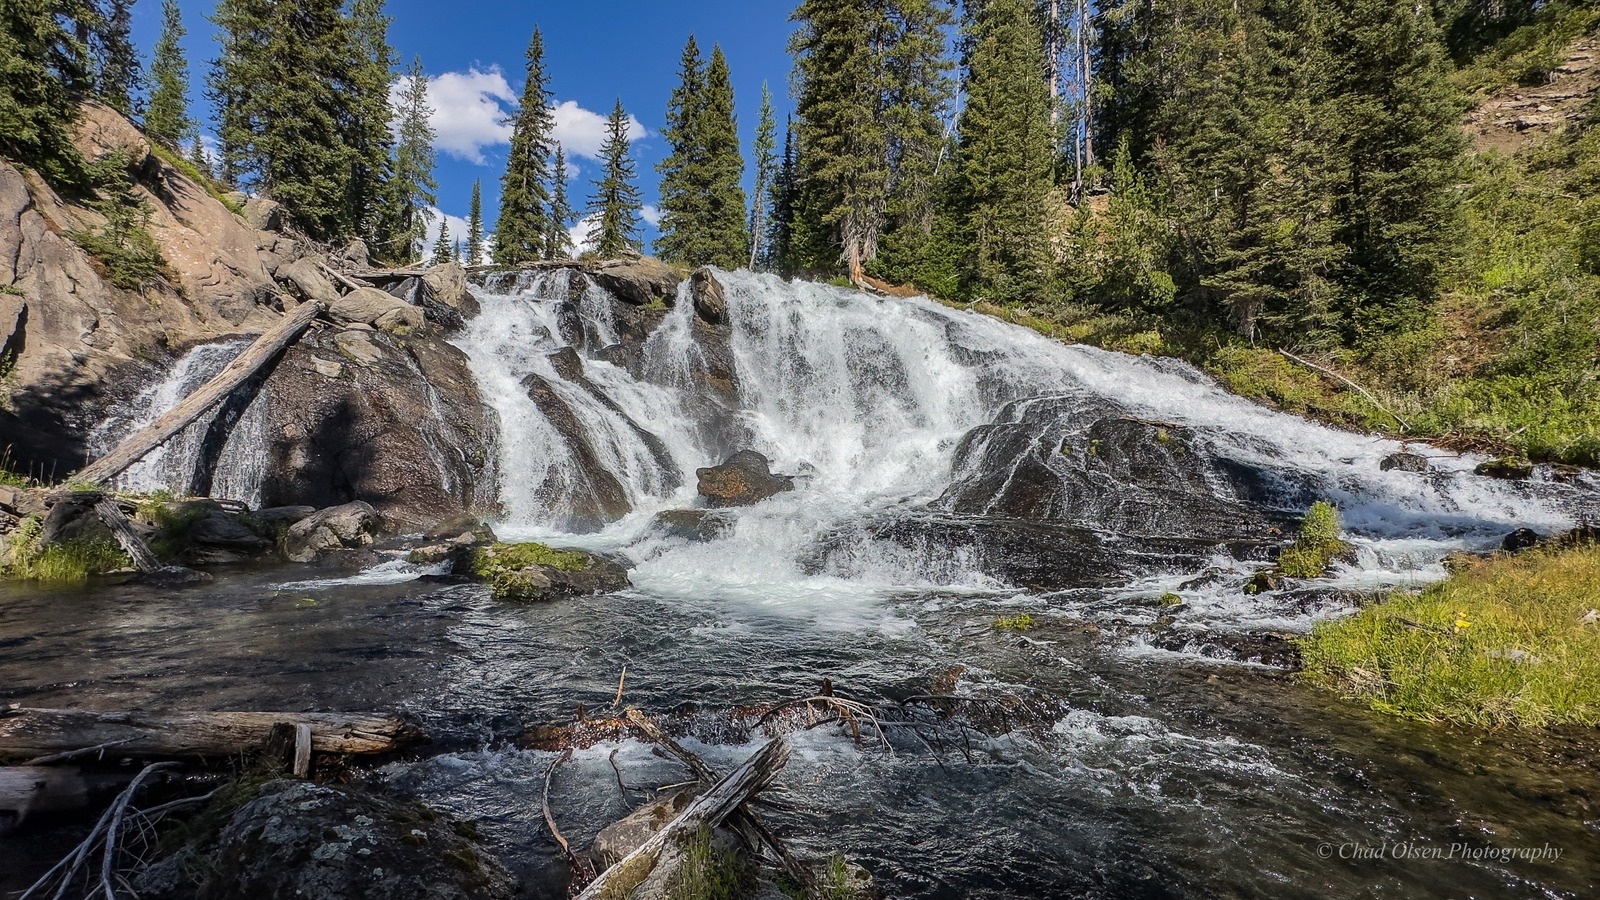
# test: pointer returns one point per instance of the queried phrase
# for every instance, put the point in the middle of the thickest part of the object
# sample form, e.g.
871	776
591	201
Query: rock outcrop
743	479
346	527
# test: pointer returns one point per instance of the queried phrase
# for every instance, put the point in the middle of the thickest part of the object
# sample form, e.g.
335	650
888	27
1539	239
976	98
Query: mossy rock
532	571
1508	467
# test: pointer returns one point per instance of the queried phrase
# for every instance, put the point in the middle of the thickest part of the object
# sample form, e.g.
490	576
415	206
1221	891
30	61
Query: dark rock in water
1507	467
1265	581
399	424
1519	540
301	840
282	515
171	577
709	303
457	527
1581	536
218	529
1267	648
1081	461
595	497
691	524
744	478
637	281
336	528
1405	462
536	572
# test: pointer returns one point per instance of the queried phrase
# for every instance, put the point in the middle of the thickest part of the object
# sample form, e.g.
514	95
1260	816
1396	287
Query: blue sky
596	51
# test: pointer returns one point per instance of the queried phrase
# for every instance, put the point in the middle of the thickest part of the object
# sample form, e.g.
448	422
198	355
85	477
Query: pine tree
475	226
558	244
780	234
1006	154
412	187
118	75
443	246
197	153
726	242
368	130
615	204
917	71
41	62
682	202
167	117
524	223
766	170
843	148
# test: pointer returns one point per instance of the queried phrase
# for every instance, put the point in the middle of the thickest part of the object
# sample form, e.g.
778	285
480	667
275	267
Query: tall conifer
919	89
166	119
368	129
443	247
523	227
682	201
412	187
118	74
725	240
615	204
558	244
40	59
766	159
475	226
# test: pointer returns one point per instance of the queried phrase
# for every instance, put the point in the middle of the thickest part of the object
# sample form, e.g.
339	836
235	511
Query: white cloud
469	111
580	233
582	132
651	214
436	216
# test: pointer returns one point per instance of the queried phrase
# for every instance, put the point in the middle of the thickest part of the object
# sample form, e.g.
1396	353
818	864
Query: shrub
1020	622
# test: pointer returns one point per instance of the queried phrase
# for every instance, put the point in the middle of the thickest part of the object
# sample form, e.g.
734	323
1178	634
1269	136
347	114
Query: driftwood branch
144	559
349	283
27	733
582	872
169	423
705	811
1404	426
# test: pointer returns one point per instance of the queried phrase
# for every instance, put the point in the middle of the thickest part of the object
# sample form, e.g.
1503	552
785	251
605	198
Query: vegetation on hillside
1514	640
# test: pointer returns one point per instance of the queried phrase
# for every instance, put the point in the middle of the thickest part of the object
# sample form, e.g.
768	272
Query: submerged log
144	559
27	733
705	811
258	354
25	790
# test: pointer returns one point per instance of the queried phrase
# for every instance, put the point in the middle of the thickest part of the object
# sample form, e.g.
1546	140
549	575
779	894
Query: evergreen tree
368	130
843	143
682	202
197	153
523	227
780	234
558	244
118	75
1006	155
42	63
766	170
917	70
443	246
475	226
615	204
726	242
166	119
412	187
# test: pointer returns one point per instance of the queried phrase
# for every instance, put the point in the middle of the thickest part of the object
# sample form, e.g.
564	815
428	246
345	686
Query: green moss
514	571
1171	599
193	173
171	519
1510	641
1019	622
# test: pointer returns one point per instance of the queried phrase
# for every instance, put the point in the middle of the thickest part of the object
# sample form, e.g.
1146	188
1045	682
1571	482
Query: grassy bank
1509	641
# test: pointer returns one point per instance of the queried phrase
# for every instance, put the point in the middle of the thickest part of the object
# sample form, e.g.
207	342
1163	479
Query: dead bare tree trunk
111	514
258	354
27	733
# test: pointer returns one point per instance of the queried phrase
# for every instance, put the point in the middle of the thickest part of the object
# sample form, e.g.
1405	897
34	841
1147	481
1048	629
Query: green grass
186	166
72	561
1316	546
171	518
1528	55
708	872
1506	642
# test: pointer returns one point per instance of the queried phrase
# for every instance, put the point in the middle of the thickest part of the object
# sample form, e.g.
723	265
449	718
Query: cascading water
221	454
892	409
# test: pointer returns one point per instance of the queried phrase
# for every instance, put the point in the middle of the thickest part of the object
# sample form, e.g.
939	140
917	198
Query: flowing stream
1164	758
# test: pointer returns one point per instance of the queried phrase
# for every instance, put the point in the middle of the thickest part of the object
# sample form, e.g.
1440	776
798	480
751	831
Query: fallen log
27	733
144	559
246	364
705	811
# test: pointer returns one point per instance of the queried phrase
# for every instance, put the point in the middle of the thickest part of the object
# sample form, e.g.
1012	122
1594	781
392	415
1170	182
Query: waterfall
221	454
891	409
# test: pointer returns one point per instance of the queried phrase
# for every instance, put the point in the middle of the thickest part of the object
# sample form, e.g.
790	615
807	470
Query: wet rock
1267	648
1507	467
638	281
1521	539
447	285
336	528
1265	581
282	515
301	840
743	479
172	577
357	345
698	525
218	529
593	496
460	527
709	303
536	572
1405	462
1581	536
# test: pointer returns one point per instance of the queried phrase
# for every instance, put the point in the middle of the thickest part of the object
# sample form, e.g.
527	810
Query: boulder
349	526
709	302
357	345
638	281
1521	539
263	214
1265	581
306	279
448	284
536	572
744	478
629	833
697	525
354	256
301	840
1511	468
172	577
1404	462
370	306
